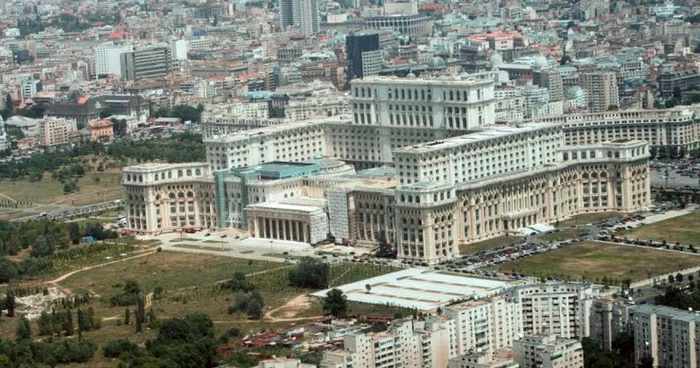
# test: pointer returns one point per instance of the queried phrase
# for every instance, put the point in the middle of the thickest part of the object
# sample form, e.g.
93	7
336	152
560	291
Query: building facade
548	351
666	335
602	91
439	173
146	63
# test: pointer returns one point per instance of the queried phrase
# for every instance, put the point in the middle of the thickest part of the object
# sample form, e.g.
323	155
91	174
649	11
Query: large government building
419	164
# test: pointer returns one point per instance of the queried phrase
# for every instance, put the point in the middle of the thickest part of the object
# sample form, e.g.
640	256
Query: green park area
594	261
683	229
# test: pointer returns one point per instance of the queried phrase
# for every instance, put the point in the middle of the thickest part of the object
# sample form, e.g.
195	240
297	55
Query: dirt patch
291	309
31	306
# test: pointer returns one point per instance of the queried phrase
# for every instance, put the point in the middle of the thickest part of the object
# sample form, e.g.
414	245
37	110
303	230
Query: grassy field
49	190
682	229
493	243
190	285
593	260
589	218
169	270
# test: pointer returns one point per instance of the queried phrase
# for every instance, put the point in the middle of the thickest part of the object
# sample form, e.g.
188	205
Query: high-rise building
666	335
363	54
30	87
179	49
107	58
609	318
485	325
548	351
302	14
562	309
551	80
602	90
146	63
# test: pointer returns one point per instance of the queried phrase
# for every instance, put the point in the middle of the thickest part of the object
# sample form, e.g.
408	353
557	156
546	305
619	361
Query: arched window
190	194
128	178
170	174
179	173
189	172
171	195
198	172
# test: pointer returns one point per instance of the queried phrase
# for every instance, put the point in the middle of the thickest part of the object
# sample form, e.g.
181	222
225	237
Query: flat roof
285	207
419	288
491	133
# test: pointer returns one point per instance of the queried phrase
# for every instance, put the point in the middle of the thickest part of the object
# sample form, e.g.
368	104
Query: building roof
100	124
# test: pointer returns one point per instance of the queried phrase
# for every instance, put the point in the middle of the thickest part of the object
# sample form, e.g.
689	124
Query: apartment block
666	335
548	351
610	318
562	309
485	325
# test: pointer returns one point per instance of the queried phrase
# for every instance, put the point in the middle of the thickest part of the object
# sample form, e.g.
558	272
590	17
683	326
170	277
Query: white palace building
420	165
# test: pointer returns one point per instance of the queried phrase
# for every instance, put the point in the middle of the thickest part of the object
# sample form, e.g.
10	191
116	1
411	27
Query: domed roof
541	61
437	63
496	59
410	75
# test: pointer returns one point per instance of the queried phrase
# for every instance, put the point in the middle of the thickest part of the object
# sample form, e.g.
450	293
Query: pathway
68	292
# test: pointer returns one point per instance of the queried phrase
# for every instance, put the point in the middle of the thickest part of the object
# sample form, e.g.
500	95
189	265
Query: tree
8	270
254	310
43	246
671	279
23	331
127	316
679	277
336	303
140	314
10	303
368	287
309	273
45	324
68	326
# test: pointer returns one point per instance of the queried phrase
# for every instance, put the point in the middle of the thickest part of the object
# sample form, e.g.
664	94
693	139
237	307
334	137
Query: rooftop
419	288
492	133
667	312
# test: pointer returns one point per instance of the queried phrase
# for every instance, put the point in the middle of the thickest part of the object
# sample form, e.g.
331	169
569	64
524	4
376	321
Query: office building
676	128
364	57
548	351
30	87
146	63
666	335
301	14
416	26
179	49
455	178
55	131
551	80
107	59
601	88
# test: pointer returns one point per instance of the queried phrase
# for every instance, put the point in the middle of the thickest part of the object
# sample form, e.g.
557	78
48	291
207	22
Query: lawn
493	243
170	270
682	229
49	190
593	260
589	218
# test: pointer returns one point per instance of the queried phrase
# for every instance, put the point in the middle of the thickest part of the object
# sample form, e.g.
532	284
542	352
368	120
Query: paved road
67	210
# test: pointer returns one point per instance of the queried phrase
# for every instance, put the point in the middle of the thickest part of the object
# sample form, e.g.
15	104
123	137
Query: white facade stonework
453	177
